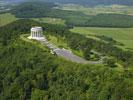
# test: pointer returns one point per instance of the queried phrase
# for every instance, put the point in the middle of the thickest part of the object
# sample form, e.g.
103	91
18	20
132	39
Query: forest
28	72
111	20
96	2
43	9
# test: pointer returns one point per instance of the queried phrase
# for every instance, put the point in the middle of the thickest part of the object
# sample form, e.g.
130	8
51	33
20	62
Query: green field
117	9
123	35
6	18
116	16
51	20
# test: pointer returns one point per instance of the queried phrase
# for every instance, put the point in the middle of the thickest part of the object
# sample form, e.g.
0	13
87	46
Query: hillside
97	2
122	35
43	9
29	71
72	18
84	51
85	2
111	20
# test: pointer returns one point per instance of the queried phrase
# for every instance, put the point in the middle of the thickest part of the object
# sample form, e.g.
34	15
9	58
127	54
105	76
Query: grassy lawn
51	20
123	35
6	18
24	37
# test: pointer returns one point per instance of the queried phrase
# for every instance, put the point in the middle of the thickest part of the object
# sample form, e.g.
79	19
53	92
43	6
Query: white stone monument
36	33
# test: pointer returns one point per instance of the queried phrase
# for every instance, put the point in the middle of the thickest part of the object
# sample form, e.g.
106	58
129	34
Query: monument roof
36	28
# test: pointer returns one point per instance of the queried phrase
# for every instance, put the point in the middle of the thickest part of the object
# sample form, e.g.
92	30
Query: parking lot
67	53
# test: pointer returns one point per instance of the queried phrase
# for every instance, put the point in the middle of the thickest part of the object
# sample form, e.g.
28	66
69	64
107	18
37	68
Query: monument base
36	38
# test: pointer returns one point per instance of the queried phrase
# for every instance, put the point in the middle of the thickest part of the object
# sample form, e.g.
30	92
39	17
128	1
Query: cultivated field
51	20
117	9
123	35
6	18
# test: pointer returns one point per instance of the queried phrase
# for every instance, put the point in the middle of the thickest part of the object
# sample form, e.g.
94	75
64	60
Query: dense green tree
72	18
87	53
25	75
110	62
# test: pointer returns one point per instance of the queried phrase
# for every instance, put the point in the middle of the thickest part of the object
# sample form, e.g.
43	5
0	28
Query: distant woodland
40	10
83	2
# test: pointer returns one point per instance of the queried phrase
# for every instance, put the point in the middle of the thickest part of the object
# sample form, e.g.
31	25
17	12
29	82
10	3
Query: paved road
67	54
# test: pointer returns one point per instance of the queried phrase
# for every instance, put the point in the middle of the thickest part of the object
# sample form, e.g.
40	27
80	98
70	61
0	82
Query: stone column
34	33
40	34
31	33
37	34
